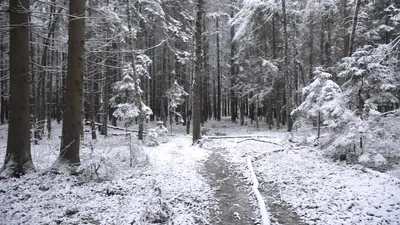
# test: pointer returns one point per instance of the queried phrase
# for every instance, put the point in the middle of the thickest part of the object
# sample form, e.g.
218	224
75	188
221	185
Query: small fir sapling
370	74
322	101
176	96
161	132
370	77
126	91
156	136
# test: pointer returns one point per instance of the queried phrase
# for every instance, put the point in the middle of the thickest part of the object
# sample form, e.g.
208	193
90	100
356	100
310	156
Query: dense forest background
292	64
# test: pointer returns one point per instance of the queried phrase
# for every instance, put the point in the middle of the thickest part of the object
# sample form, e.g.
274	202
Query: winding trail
231	193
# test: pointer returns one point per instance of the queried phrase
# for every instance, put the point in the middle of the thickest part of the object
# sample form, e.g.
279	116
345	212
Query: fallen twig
116	128
244	136
253	139
267	153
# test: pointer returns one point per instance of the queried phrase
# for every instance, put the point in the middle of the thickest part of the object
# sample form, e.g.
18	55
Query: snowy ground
120	195
299	185
319	190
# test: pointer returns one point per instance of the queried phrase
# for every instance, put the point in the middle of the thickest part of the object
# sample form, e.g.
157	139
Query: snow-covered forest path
231	193
299	184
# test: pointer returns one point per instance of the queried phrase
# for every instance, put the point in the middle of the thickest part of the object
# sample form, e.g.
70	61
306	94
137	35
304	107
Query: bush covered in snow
351	124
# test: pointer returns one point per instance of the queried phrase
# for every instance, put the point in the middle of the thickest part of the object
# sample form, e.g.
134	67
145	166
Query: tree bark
218	73
346	38
3	75
72	122
233	74
49	96
18	158
353	28
241	111
311	46
198	73
59	92
92	110
288	87
106	90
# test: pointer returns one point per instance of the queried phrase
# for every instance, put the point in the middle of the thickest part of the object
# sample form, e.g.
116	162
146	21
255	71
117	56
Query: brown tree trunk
288	85
233	74
18	158
353	28
241	111
164	73
92	110
198	73
311	46
49	96
218	73
59	93
106	89
3	75
72	122
346	38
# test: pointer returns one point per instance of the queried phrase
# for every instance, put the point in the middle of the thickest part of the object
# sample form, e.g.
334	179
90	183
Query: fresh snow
166	182
121	195
321	191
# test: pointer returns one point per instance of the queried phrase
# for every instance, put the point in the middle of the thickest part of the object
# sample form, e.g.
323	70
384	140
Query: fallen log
114	127
244	136
261	203
253	139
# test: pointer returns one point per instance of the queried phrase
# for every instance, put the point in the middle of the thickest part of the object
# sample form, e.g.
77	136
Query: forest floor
230	191
178	183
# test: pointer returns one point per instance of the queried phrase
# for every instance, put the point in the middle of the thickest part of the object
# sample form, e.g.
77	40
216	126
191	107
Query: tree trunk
164	72
346	38
3	75
141	115
270	115
256	115
353	28
214	99
241	111
233	74
106	89
311	46
72	122
288	85
319	125
59	88
92	110
18	159
198	73
218	73
49	96
226	104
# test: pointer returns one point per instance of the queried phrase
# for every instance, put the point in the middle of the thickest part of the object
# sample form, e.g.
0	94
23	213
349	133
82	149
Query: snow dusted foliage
350	116
322	96
370	74
126	91
255	76
244	18
124	98
142	64
176	96
382	136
